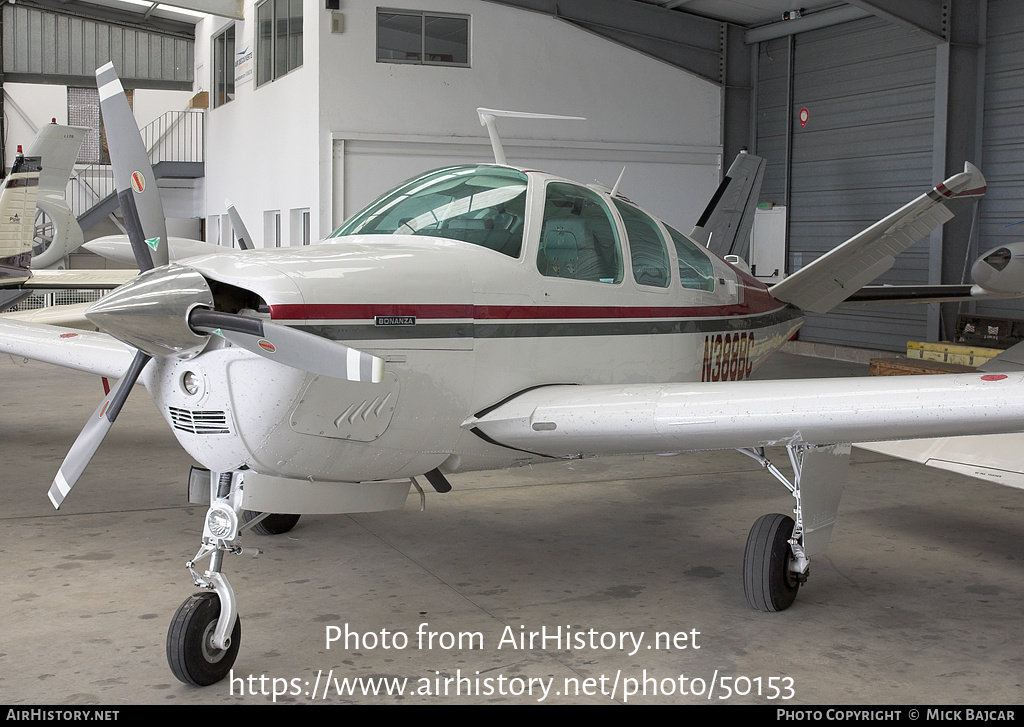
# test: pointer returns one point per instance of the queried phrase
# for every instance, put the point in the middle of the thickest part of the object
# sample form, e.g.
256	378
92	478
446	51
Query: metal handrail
177	136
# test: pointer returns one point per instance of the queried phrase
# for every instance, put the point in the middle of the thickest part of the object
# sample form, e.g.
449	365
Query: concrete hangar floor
918	599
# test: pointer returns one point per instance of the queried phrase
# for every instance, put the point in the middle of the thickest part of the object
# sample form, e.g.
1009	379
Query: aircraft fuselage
460	329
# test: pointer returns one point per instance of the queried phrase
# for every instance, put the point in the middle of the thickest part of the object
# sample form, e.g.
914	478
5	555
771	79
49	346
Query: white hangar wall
333	134
32	105
261	148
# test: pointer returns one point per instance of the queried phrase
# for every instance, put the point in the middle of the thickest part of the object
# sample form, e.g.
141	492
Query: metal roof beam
113	15
686	41
810	21
222	8
927	17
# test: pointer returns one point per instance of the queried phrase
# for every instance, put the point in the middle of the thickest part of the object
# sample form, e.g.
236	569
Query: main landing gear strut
205	633
776	561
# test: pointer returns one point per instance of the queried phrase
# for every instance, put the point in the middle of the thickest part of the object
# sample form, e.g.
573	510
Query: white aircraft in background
57	233
482	317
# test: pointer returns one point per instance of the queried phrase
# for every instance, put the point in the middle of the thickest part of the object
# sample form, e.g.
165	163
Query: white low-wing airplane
482	317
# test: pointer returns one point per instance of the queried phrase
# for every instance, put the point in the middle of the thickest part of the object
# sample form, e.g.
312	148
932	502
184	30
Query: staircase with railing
176	145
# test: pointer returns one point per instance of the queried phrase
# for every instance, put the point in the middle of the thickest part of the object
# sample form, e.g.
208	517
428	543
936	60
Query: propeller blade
242	234
95	430
133	175
290	346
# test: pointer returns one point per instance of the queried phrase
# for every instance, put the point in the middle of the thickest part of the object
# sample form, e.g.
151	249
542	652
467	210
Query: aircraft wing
119	249
81	279
995	457
576	421
889	294
68	316
841	272
88	351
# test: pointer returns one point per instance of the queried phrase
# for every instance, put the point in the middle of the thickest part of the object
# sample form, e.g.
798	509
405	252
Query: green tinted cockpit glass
647	250
695	268
481	205
578	239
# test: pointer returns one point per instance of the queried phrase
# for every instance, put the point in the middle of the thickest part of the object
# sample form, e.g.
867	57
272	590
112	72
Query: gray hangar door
854	106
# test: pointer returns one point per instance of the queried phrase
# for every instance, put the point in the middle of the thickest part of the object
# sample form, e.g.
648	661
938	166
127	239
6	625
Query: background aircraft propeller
241	234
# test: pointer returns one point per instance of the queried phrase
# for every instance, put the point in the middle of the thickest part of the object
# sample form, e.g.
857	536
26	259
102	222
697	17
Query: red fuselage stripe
351	312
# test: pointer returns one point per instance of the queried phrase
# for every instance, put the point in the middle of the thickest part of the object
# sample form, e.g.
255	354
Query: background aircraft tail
58	147
17	224
724	227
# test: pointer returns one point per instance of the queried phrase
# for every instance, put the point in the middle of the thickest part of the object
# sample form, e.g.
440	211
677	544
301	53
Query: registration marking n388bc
727	357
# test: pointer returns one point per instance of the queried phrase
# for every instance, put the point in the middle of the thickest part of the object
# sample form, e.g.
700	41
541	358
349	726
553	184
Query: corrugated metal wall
46	47
868	88
1003	138
773	78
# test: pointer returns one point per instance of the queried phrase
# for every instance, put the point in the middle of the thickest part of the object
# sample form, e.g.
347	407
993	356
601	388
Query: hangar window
484	206
412	36
224	66
278	39
577	238
695	269
647	250
84	110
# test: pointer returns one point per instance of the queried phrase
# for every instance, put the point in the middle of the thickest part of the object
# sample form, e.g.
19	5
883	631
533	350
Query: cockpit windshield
481	205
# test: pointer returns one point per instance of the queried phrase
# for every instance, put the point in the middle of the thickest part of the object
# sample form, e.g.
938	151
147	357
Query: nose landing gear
191	652
205	633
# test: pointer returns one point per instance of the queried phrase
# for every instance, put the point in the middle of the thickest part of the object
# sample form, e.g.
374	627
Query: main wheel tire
273	524
768	583
190	653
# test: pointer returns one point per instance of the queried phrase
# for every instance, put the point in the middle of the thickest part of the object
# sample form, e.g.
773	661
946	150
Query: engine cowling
1001	269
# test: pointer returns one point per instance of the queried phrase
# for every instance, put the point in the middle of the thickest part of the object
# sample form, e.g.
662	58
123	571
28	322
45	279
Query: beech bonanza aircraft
482	317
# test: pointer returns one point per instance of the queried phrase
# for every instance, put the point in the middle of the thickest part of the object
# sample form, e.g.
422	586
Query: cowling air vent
199	422
346	410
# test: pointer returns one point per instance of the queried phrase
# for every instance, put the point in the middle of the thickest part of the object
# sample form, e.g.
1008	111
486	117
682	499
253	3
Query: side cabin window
695	269
647	251
481	205
577	238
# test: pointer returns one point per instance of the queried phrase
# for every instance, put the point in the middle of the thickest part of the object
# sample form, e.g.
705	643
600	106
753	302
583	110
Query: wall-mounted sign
243	65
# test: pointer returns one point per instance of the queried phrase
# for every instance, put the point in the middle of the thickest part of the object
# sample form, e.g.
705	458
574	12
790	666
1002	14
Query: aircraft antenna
488	118
615	189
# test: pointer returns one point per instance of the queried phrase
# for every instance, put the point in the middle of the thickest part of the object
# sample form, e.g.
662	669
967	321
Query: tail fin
17	217
58	147
724	227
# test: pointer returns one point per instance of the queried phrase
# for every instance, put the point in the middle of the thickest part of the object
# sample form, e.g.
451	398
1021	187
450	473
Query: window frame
228	61
614	225
372	219
681	241
269	47
423	15
644	220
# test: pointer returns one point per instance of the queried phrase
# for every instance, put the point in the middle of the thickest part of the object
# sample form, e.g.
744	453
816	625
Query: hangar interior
300	112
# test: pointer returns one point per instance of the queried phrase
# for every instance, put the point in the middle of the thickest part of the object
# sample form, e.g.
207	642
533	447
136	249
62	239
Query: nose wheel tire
190	651
274	524
768	583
